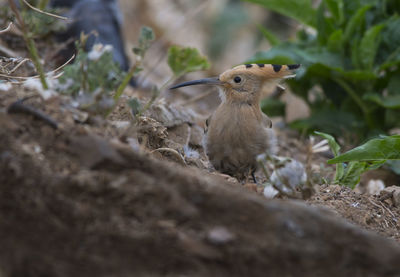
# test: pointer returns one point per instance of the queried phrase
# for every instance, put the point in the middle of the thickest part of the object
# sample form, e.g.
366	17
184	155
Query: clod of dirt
170	115
391	194
151	132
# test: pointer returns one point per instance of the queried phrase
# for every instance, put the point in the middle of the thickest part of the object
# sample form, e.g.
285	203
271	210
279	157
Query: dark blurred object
100	19
63	3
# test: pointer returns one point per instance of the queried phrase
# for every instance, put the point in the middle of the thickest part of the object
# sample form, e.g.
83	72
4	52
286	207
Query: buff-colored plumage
238	131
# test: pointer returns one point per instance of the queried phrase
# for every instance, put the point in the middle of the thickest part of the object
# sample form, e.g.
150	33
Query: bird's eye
237	79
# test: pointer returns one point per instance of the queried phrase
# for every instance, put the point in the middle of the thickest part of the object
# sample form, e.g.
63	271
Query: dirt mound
74	203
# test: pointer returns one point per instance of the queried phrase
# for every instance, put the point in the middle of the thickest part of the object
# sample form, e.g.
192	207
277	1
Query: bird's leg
254	177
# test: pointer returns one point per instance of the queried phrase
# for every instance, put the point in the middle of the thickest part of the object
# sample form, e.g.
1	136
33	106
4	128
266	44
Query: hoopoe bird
238	131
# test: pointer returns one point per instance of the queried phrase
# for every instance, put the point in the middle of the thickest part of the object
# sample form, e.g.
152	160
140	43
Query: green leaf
352	174
183	60
89	74
273	107
292	53
135	105
329	121
389	50
272	39
392	60
369	45
324	25
394	84
274	56
391	118
389	102
379	149
353	171
336	9
355	21
335	148
335	41
145	38
300	10
358	75
355	57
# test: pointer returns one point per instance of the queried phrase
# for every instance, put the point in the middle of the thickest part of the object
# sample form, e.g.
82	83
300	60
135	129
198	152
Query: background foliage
350	65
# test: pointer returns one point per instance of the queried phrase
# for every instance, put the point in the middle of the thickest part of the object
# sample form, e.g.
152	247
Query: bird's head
243	83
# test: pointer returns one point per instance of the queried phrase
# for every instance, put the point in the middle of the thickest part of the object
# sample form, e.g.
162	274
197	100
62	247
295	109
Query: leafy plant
379	149
41	25
145	39
92	78
300	10
183	60
350	66
371	155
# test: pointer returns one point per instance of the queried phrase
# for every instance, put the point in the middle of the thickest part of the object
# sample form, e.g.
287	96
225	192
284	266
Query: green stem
125	81
124	84
35	58
84	82
30	44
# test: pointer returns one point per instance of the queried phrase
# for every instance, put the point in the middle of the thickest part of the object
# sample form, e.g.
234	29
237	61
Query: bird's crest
267	71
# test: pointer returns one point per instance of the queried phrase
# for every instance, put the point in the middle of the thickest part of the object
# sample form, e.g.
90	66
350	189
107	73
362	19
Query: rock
220	235
392	193
170	115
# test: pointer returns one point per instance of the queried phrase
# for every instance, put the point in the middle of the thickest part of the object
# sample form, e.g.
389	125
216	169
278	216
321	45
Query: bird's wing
208	122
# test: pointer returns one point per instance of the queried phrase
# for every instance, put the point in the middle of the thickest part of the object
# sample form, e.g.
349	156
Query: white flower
98	50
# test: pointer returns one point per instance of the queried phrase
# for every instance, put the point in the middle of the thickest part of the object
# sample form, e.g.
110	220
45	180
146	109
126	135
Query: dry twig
6	29
171	151
19	107
43	12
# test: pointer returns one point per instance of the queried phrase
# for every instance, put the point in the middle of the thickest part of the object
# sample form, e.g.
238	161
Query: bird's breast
235	137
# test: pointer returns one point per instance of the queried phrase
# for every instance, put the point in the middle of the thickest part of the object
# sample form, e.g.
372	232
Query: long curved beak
205	81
